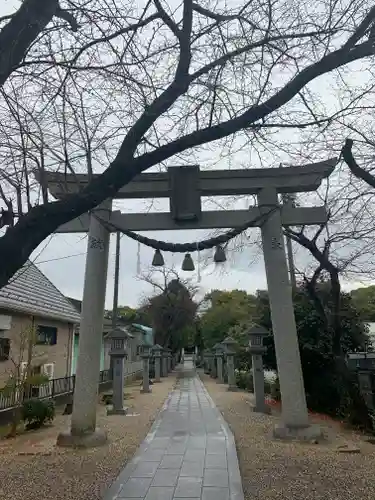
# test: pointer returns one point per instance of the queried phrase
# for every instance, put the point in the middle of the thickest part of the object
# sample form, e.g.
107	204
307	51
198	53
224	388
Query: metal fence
49	390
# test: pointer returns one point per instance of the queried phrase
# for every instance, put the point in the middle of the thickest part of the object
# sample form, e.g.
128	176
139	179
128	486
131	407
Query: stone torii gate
185	186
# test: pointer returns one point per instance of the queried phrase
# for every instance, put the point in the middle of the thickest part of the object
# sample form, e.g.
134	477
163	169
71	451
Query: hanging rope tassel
139	259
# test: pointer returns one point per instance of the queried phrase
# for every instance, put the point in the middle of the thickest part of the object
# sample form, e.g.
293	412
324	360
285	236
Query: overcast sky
62	257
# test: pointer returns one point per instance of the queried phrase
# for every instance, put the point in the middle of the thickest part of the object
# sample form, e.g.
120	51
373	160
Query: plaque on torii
186	185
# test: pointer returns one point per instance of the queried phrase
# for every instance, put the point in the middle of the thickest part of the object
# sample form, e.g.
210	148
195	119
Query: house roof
31	292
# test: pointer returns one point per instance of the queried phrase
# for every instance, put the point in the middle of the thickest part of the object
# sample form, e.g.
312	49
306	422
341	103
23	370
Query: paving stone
171	462
192	469
216	461
152	455
215	493
165	477
216	448
216	477
176	449
188	487
194	455
160	493
145	469
135	487
197	443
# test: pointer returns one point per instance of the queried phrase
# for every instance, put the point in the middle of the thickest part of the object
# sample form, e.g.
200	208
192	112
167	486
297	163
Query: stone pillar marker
256	335
294	418
229	345
157	356
219	348
206	361
146	370
169	360
213	364
119	338
164	364
83	431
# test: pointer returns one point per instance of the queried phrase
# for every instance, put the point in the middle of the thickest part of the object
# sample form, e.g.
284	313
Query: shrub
36	413
107	398
275	389
244	380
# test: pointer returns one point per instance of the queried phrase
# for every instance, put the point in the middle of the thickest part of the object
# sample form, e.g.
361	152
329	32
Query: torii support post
83	431
294	419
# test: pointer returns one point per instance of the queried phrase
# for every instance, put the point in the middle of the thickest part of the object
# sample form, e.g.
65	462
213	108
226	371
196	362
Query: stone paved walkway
189	453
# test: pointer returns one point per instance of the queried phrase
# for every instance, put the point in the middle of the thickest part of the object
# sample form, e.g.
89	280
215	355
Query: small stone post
256	335
172	360
206	361
157	356
169	360
219	359
146	369
119	339
229	345
164	370
213	364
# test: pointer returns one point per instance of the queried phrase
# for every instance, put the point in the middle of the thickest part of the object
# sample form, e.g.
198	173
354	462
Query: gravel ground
279	470
65	474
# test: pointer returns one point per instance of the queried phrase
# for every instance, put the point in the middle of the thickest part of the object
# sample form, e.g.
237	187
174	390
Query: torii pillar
294	419
83	432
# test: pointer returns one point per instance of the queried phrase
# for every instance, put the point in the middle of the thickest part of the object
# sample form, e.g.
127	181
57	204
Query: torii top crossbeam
210	183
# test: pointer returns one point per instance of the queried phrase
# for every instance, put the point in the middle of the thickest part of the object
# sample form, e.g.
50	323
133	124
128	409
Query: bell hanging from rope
158	259
188	264
219	255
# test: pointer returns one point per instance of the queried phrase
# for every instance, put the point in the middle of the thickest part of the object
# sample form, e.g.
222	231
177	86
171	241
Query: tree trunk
22	29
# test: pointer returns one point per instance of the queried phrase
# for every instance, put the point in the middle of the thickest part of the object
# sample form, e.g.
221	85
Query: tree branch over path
23	28
185	75
356	170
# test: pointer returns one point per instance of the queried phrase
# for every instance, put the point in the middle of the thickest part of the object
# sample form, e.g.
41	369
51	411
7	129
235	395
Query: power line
64	257
60	258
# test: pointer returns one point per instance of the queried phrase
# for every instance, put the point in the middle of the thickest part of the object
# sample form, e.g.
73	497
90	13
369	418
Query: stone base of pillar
311	433
232	388
262	409
119	411
88	440
145	391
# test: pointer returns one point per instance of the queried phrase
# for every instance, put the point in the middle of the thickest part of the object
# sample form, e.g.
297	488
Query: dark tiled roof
31	292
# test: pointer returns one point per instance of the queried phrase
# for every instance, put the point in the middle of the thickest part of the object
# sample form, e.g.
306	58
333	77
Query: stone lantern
145	355
256	335
229	351
119	340
157	352
219	355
